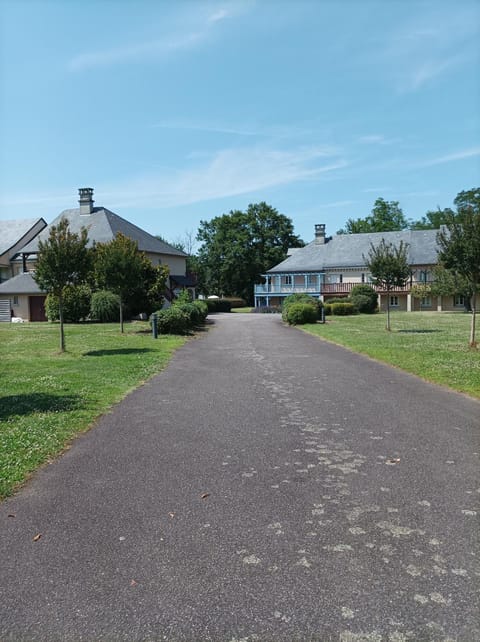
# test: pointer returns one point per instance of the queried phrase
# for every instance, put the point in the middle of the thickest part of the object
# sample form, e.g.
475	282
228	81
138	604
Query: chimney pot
85	200
320	233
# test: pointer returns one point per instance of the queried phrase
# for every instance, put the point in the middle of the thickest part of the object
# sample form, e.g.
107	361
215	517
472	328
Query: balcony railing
325	288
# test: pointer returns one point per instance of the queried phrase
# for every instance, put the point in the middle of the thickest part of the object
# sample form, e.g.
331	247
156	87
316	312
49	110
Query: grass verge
46	398
432	345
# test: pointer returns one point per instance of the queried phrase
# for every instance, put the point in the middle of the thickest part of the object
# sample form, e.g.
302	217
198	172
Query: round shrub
305	299
300	313
192	311
105	306
76	304
364	298
342	309
173	320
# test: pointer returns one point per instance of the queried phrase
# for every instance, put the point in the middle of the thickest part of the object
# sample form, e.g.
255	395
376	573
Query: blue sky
179	111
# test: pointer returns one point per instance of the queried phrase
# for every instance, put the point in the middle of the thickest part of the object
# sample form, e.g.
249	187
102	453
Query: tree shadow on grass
104	353
30	403
419	331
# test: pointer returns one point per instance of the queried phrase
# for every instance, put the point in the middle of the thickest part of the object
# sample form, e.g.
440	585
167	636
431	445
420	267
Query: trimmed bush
340	299
76	304
305	299
267	309
342	309
202	308
105	306
192	311
173	320
235	301
364	298
300	313
218	305
327	308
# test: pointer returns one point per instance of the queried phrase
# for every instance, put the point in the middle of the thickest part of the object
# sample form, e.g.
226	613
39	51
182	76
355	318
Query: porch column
439	303
409	302
305	279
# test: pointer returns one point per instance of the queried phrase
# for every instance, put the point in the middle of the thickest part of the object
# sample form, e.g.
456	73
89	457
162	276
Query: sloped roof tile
348	250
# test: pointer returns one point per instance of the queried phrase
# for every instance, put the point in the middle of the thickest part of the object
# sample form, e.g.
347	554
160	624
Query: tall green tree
238	247
432	220
119	269
388	265
63	260
386	216
459	245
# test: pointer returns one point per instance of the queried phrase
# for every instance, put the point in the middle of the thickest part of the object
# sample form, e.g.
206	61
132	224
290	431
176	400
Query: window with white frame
393	301
459	300
15	299
425	302
288	280
311	279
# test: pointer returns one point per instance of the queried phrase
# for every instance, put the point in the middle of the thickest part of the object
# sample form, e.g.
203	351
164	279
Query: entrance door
37	308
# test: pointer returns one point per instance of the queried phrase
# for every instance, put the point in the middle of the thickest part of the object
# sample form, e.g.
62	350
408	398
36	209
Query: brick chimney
320	234
85	200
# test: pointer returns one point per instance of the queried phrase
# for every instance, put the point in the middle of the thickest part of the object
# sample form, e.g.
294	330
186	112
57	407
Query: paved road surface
251	492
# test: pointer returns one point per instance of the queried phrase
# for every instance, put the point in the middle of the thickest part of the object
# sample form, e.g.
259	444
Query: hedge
300	313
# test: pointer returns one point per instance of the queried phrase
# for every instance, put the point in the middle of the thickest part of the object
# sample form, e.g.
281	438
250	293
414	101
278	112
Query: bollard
154	326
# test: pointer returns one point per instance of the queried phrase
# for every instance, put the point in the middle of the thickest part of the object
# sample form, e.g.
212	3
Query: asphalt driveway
267	486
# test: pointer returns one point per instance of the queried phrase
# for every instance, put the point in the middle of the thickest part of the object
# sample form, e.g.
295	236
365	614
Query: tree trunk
60	314
121	315
473	343
388	311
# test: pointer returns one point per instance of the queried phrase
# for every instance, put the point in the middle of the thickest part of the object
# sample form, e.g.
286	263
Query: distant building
23	294
330	267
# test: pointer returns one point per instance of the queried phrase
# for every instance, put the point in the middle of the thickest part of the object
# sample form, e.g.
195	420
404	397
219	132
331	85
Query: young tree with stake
63	259
389	267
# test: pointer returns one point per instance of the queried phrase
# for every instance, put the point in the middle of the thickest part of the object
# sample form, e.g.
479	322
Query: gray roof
11	232
102	226
347	251
22	283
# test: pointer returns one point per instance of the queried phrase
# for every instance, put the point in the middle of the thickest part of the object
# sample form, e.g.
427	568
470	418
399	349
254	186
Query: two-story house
24	296
329	268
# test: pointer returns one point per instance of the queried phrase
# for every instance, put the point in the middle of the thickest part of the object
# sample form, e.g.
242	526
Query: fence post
154	326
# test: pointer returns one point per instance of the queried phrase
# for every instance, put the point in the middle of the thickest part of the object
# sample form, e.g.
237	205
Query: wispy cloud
377	139
431	45
206	127
131	53
450	158
227	173
177	40
329	206
272	131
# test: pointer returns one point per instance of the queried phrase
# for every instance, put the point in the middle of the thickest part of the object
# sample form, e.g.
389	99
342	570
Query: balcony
328	289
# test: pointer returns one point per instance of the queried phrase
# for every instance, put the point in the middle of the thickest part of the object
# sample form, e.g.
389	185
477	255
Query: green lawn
432	345
46	397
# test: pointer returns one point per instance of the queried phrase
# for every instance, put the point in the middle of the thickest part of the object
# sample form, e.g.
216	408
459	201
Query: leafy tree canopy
432	220
63	260
459	245
119	268
236	248
386	216
388	265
